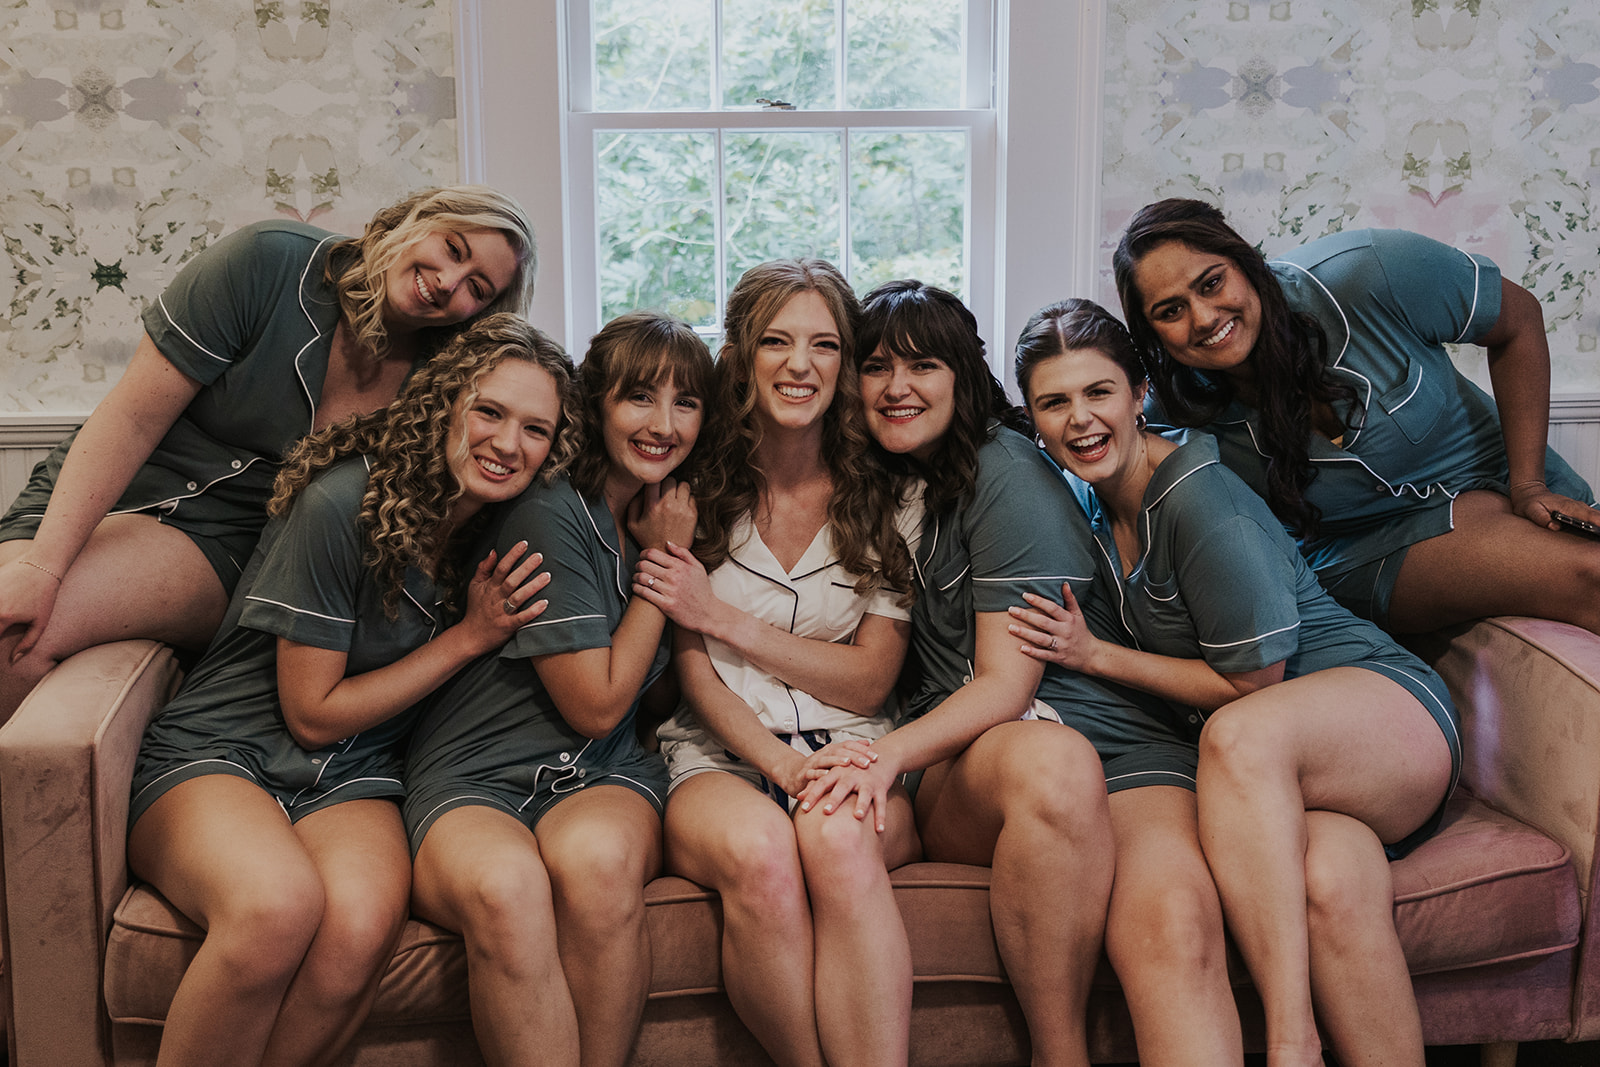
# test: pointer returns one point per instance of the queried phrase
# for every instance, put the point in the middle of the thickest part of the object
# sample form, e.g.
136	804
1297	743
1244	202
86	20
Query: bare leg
359	849
223	853
479	872
1359	979
134	578
863	986
1517	568
725	835
1029	799
1345	740
1164	933
601	846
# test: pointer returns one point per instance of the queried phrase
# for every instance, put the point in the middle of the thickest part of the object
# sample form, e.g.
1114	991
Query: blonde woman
140	524
264	803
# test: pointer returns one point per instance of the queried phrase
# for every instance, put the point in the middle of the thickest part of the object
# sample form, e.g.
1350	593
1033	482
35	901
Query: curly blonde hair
410	489
642	349
863	505
357	265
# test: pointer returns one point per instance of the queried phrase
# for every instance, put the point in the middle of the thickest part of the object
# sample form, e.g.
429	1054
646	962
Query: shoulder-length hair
357	265
642	349
1290	358
862	507
410	489
911	320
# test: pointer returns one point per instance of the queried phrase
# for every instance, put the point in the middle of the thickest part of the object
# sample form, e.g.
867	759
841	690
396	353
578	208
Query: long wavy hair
1070	325
642	349
357	265
911	320
862	506
1290	357
410	490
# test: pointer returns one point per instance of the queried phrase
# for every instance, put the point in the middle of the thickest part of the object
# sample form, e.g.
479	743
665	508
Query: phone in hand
1577	525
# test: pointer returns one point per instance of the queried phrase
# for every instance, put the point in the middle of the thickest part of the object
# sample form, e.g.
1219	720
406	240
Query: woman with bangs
140	523
265	794
534	814
997	788
787	654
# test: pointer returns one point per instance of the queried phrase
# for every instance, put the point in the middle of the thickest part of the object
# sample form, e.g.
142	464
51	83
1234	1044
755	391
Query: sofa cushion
1485	889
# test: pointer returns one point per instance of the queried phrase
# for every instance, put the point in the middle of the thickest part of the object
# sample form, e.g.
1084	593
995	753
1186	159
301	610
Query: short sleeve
1239	588
583	581
908	522
1026	532
1444	294
310	576
222	298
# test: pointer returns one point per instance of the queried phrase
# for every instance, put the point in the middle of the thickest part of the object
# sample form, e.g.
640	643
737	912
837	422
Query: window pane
905	53
652	55
655	197
780	50
781	197
908	203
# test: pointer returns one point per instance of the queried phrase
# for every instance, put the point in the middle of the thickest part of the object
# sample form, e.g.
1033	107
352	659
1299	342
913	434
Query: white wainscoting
25	439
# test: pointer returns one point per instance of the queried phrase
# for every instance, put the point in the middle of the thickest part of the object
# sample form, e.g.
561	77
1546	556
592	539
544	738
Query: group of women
908	620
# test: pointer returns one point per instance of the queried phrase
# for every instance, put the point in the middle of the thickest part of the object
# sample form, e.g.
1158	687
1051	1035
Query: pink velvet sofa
1492	911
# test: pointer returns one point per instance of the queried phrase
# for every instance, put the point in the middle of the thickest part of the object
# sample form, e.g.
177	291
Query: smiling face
1086	414
499	442
909	402
1201	306
796	366
648	432
447	277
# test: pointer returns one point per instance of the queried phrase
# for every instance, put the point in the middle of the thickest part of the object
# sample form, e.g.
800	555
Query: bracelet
38	567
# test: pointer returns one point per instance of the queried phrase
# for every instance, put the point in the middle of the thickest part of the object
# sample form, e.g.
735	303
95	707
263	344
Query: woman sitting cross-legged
786	657
533	811
264	803
1325	742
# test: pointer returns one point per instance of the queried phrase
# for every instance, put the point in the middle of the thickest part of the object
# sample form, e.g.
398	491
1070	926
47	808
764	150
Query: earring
1140	422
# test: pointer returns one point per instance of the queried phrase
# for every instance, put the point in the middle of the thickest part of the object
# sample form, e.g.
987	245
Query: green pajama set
1021	531
1420	432
1219	580
492	735
306	582
251	319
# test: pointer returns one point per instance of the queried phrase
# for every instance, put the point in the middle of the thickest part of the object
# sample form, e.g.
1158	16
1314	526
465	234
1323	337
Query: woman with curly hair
1324	378
139	524
997	787
787	655
533	811
264	803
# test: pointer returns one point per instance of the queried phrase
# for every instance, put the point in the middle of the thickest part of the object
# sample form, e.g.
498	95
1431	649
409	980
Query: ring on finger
650	581
508	607
1052	644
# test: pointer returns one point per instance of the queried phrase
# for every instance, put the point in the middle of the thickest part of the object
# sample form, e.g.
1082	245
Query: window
1029	188
717	134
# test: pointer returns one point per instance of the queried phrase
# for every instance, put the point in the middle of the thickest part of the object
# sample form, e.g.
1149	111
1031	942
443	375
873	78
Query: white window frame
1042	182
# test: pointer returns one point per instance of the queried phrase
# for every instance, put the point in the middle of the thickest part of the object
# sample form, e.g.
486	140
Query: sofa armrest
66	762
1529	695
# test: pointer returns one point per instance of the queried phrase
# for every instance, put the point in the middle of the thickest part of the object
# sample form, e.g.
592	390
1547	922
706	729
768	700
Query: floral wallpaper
1473	121
132	132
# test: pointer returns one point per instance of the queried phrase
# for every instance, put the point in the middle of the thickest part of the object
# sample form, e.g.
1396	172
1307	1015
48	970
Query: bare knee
262	934
762	869
1348	887
1244	742
505	908
355	941
598	880
1174	928
1053	781
839	853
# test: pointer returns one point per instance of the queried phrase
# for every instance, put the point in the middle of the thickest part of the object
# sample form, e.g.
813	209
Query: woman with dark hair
1324	378
1025	797
534	813
787	654
264	798
1324	741
139	524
